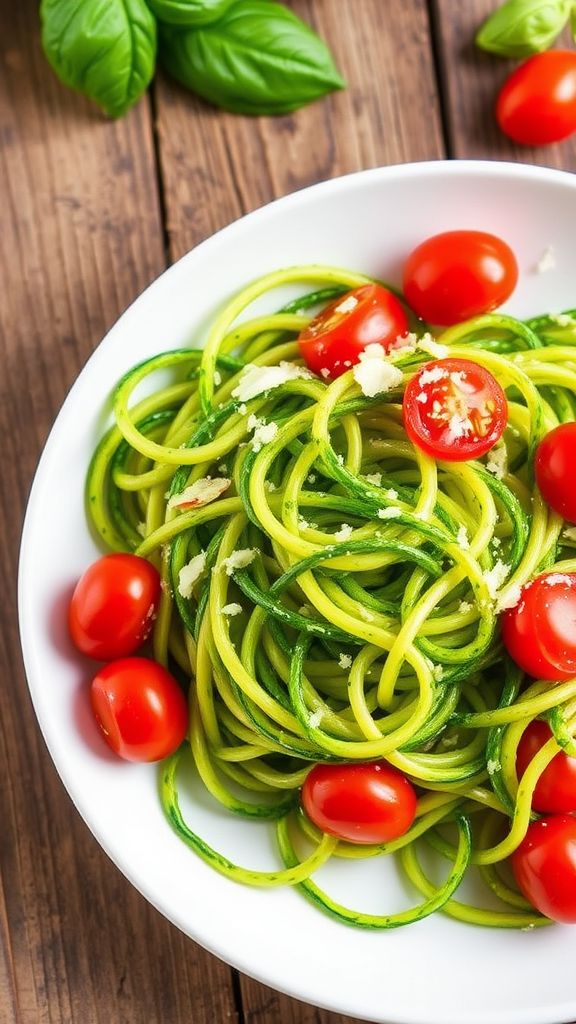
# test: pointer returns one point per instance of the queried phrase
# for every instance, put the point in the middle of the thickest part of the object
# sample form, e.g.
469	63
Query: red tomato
361	803
459	274
556	470
113	607
539	632
537	103
333	340
454	409
140	709
544	866
555	791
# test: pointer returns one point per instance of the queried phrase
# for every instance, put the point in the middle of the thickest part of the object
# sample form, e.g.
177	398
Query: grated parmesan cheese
433	348
345	661
547	260
201	492
563	320
238	560
344	532
493	767
315	719
432	376
232	609
263	432
498	464
494	578
325	373
391	494
465	607
255	380
190	573
462	538
349	302
374	478
510	598
392	512
375	374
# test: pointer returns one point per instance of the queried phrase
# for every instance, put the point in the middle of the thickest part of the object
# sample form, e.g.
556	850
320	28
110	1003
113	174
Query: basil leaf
189	12
105	49
522	27
258	59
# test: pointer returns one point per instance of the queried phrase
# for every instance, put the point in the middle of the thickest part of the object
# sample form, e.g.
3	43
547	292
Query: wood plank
80	237
471	80
218	166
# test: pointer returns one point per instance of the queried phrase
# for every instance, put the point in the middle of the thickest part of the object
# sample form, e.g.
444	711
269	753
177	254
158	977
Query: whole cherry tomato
459	274
544	866
555	791
361	803
141	710
538	632
556	470
537	103
113	607
454	409
333	340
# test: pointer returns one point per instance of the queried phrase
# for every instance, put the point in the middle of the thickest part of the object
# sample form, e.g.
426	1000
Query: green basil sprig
522	27
106	49
257	59
189	12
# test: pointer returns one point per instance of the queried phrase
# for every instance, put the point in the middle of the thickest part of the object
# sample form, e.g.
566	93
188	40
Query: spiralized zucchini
344	631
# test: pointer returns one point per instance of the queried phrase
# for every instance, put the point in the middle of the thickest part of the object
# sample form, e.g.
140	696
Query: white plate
434	972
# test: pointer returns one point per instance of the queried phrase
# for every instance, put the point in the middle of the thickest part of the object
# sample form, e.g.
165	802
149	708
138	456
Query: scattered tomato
360	803
544	866
555	791
539	632
459	274
140	709
113	606
454	409
556	470
537	103
333	340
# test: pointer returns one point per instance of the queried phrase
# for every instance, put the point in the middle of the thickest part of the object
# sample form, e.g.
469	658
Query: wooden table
90	212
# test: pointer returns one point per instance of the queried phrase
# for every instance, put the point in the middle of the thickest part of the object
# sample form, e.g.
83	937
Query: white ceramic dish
435	972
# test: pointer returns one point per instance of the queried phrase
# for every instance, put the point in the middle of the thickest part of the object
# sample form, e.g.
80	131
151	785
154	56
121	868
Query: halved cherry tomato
333	340
140	709
361	803
113	607
454	409
544	866
539	632
555	791
556	470
537	103
459	274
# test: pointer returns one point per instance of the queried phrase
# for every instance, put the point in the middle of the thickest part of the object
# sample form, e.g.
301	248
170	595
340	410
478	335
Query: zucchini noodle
337	599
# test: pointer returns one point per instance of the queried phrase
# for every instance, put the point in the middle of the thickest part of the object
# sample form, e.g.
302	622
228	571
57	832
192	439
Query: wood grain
216	167
80	237
471	81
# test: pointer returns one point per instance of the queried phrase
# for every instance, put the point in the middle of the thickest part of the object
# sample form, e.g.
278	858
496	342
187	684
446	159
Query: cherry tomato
556	470
544	866
539	632
140	709
361	803
333	340
555	791
454	409
113	607
459	274
537	103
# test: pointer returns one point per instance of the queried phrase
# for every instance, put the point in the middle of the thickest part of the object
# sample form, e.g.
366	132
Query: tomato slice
456	275
333	340
360	803
454	409
555	791
544	866
140	709
113	606
555	468
540	632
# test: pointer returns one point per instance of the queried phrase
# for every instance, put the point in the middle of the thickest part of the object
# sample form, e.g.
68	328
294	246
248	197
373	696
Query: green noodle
356	634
